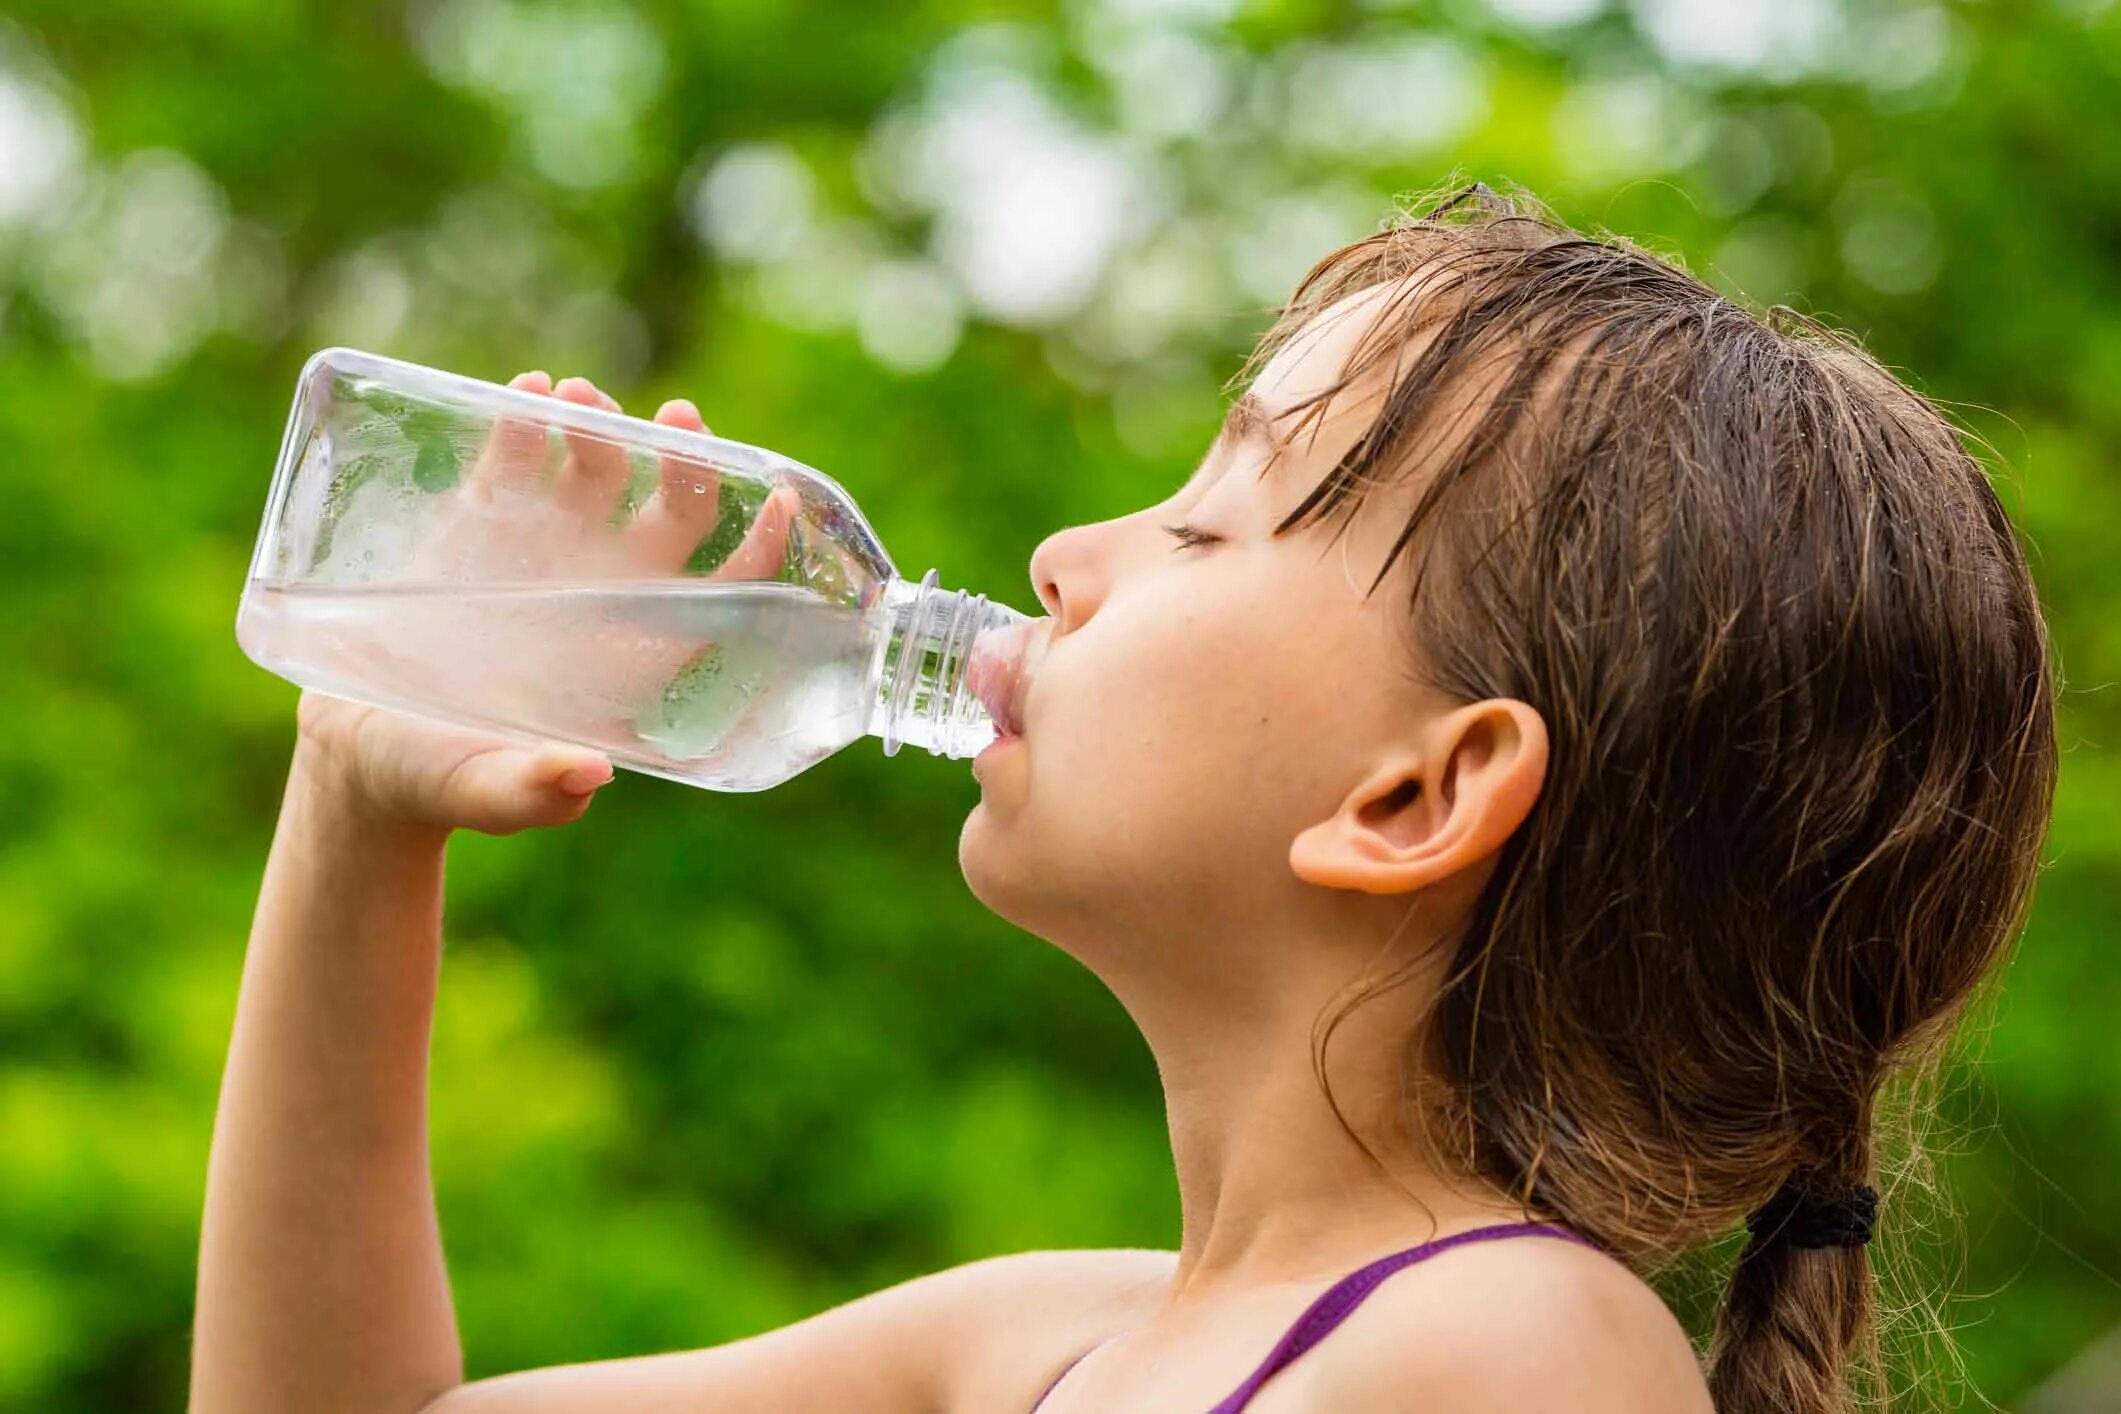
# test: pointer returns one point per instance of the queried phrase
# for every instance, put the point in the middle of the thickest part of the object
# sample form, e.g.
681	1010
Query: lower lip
1000	743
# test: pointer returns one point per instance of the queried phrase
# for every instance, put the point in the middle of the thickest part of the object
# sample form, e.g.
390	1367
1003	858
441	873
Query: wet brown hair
1802	742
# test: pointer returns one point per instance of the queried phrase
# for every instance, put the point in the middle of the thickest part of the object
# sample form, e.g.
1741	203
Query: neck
1272	1186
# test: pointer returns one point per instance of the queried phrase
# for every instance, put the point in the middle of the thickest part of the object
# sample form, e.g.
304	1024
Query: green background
708	1063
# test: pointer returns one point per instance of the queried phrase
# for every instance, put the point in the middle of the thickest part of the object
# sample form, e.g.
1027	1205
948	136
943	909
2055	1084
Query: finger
514	455
594	474
502	791
682	512
576	775
604	400
765	544
680	412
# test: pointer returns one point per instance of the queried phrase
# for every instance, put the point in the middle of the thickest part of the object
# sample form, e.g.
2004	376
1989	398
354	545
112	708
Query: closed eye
1189	537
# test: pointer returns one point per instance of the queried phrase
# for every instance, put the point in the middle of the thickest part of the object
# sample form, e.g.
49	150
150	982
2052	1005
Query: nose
1065	575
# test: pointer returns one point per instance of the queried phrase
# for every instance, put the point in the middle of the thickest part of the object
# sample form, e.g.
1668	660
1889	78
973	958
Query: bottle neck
921	692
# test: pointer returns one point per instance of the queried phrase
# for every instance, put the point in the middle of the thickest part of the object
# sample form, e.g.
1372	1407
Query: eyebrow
1247	420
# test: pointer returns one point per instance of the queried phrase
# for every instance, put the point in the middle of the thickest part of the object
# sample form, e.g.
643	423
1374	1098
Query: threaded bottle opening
925	696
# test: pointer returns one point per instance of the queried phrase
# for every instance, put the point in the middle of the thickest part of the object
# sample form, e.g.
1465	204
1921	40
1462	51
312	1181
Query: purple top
1330	1309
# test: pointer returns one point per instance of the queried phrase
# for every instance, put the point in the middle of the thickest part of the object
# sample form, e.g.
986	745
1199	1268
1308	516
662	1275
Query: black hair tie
1808	1217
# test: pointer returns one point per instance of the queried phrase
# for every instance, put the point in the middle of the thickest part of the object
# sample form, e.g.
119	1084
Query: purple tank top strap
1339	1300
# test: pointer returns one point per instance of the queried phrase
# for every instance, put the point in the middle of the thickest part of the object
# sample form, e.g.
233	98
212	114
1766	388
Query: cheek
1173	728
1178	746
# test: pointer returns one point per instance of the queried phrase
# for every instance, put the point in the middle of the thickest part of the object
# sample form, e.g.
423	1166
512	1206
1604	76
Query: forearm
321	1280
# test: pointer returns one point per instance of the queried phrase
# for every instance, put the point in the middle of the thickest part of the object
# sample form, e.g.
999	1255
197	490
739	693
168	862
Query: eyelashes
1188	537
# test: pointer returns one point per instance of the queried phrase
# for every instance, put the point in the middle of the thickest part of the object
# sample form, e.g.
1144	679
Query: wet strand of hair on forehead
1495	354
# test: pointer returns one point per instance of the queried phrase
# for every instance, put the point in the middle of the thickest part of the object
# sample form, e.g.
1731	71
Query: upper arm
963	1338
1520	1325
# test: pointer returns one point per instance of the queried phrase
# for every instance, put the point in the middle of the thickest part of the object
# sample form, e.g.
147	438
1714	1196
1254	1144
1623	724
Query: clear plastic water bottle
693	607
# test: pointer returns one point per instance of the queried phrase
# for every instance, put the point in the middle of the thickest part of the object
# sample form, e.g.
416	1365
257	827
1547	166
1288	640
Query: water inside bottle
733	686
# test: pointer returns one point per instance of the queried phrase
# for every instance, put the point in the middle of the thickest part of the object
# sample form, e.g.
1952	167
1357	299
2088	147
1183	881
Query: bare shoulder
1064	1293
1525	1324
984	1335
1068	1272
1026	1315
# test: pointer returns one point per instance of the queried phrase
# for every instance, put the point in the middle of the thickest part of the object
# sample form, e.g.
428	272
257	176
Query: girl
1568	745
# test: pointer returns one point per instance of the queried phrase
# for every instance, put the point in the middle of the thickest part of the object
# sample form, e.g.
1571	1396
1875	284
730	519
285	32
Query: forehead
1297	433
1310	434
1317	354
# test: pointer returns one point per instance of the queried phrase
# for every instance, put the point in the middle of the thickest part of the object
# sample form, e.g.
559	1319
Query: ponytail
1797	1314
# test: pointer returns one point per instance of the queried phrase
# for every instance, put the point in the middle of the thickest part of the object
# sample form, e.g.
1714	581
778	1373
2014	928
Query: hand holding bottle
532	565
507	519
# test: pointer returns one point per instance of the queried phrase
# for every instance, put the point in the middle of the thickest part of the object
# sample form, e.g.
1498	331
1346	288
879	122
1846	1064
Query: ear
1417	821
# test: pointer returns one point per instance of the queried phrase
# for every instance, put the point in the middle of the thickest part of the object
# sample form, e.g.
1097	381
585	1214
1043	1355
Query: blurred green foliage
708	1063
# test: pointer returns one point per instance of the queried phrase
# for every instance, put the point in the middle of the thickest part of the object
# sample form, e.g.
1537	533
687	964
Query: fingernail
580	780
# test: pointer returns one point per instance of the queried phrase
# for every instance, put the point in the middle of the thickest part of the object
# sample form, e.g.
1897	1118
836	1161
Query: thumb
573	772
501	792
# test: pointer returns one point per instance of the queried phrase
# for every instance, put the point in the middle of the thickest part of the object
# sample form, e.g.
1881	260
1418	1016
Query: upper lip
1011	718
1038	638
999	678
991	675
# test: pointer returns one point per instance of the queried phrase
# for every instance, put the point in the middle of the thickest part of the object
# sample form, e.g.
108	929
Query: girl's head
1661	683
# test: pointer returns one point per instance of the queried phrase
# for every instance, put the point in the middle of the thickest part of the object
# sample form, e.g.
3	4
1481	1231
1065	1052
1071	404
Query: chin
1006	869
982	858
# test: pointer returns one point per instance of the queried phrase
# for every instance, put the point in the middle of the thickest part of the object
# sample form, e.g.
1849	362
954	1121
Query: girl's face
1200	705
